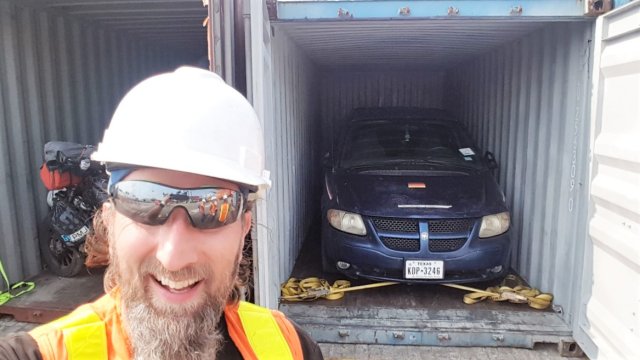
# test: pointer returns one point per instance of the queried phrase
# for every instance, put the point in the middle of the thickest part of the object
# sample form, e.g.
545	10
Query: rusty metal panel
60	79
527	102
54	297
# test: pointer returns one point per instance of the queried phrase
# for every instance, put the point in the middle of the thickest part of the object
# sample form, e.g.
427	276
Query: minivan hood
446	194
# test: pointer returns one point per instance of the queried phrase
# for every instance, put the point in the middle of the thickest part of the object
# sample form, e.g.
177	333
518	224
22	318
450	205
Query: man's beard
163	331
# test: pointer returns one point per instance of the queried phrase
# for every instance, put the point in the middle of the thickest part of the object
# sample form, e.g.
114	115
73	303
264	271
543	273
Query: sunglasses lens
150	203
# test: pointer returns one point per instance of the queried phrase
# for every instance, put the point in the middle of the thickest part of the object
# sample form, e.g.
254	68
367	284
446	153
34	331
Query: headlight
493	225
345	221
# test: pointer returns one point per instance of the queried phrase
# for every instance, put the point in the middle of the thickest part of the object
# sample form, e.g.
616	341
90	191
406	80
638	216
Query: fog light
496	269
343	265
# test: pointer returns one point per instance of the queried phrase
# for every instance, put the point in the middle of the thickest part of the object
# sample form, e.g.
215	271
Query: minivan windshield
408	143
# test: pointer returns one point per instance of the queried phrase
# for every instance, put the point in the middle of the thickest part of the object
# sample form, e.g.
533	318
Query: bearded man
175	273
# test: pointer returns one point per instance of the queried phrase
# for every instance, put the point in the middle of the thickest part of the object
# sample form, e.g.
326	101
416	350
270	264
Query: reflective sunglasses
152	203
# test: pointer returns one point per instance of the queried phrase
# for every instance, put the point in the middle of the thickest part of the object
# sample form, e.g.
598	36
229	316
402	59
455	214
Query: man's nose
175	250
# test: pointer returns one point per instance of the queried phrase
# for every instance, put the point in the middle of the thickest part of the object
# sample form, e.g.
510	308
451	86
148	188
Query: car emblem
417	185
424	236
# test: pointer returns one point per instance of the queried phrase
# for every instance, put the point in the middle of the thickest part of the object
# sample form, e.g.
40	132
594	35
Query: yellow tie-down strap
313	288
511	289
263	333
84	335
14	290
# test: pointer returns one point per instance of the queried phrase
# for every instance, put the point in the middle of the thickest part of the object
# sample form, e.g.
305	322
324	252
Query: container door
609	323
259	88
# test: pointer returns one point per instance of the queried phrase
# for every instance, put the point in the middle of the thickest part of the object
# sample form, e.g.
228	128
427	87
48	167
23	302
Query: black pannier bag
66	156
61	166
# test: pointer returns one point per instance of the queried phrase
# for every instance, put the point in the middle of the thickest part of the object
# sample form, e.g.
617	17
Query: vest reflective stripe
84	335
263	333
86	342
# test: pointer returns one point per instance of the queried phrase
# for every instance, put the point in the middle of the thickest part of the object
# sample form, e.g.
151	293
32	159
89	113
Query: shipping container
64	66
537	83
551	87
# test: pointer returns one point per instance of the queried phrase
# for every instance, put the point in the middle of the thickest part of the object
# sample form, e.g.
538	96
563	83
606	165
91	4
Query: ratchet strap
511	289
14	290
313	288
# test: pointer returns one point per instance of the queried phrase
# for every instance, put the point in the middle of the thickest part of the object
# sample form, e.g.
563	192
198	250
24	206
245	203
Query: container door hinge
516	11
272	9
404	11
344	14
597	7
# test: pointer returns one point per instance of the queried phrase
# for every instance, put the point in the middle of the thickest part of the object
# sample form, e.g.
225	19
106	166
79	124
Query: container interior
521	86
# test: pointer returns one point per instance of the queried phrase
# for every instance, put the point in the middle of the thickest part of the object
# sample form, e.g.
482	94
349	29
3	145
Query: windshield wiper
389	162
446	163
427	162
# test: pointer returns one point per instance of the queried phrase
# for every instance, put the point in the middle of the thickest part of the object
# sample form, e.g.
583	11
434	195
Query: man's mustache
154	268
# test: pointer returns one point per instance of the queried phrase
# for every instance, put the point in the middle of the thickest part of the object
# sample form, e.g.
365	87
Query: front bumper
477	260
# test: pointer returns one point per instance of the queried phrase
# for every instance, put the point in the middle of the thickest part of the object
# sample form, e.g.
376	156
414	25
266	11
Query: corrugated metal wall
526	102
292	157
343	91
60	79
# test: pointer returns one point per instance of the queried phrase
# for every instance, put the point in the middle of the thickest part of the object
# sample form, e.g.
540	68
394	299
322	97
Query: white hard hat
189	120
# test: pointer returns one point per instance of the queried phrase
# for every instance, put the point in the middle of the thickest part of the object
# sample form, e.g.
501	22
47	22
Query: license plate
424	269
76	235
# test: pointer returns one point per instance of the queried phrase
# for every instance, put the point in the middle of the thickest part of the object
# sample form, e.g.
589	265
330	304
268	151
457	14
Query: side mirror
491	160
327	161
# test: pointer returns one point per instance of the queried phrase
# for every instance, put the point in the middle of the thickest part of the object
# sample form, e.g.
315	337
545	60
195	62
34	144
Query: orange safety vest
94	332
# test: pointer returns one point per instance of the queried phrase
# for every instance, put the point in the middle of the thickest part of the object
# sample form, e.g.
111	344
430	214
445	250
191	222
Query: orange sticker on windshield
416	185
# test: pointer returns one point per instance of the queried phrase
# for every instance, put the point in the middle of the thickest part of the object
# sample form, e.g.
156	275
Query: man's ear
108	214
107	211
246	225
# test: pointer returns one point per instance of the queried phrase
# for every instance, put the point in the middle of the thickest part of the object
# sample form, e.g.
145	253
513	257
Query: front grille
396	225
411	226
445	245
400	244
450	226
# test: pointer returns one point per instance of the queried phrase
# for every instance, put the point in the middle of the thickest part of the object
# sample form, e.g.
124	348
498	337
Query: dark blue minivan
409	197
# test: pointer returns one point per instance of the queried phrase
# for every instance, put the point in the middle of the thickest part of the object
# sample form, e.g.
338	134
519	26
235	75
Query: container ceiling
403	43
169	23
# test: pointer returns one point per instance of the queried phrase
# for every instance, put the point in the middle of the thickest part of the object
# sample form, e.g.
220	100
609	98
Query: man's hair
97	248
